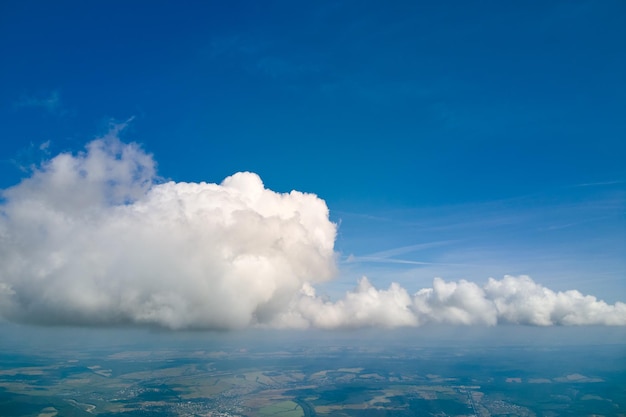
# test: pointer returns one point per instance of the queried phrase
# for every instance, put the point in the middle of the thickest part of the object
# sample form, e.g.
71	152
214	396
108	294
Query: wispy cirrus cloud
600	183
49	102
262	56
563	236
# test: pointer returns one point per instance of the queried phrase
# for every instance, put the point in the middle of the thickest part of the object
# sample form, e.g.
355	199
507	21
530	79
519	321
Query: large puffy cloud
96	238
92	238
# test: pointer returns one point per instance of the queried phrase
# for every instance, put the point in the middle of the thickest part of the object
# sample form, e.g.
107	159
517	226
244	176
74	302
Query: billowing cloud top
94	239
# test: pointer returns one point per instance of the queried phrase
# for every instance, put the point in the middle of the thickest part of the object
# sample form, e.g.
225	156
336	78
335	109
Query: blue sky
454	139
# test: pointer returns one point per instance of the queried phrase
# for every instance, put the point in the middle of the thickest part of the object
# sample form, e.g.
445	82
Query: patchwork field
316	381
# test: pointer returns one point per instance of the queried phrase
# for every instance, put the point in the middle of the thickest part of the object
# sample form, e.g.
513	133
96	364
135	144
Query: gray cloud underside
94	239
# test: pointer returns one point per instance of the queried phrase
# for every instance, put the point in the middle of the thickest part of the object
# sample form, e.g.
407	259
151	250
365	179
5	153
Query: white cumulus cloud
521	300
95	238
511	300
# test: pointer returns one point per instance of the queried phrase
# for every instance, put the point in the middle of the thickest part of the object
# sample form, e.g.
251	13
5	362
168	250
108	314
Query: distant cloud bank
95	239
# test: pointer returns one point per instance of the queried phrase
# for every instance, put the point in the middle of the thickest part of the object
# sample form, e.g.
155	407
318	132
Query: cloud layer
95	239
512	300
